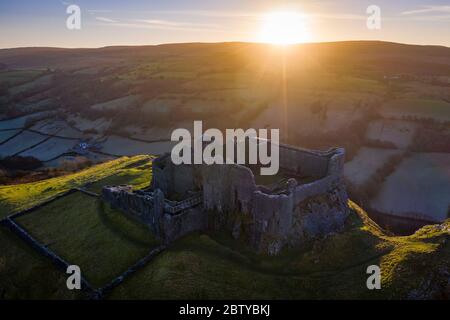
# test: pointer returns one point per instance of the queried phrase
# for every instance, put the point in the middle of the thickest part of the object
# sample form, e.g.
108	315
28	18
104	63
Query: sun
284	28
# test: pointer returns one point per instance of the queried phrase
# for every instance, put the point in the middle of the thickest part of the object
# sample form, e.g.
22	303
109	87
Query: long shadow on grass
117	230
254	263
145	163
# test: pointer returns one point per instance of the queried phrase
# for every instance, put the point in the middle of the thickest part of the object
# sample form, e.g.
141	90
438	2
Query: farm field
32	85
367	161
19	122
49	149
79	228
419	188
19	197
303	119
57	127
123	146
35	106
20	143
7	134
16	77
164	106
399	133
416	107
83	124
116	104
153	133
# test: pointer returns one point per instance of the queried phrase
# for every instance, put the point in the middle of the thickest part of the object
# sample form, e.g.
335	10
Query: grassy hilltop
85	231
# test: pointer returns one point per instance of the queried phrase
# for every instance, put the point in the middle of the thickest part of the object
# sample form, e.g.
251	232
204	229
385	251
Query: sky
139	22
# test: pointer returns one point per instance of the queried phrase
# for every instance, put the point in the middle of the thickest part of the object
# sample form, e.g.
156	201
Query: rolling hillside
82	229
387	104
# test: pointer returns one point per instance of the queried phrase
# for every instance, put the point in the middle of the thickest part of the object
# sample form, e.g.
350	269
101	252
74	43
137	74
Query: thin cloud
169	23
428	9
156	24
95	11
205	13
341	16
428	13
231	15
424	13
103	19
256	15
429	18
145	25
220	14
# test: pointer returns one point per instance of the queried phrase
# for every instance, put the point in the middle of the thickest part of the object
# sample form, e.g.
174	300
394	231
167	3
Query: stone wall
227	188
183	223
168	220
273	220
173	179
306	213
146	208
303	161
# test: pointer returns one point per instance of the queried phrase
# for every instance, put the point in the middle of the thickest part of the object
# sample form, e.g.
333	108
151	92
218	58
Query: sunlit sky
138	22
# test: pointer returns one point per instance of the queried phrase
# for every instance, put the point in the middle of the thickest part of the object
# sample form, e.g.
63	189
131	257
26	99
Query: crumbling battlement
185	198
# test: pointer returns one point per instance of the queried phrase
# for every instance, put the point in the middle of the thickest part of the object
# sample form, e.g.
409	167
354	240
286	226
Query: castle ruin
304	201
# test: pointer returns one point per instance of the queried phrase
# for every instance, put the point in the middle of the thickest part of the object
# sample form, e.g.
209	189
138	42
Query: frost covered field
419	188
360	169
20	143
49	149
400	133
122	146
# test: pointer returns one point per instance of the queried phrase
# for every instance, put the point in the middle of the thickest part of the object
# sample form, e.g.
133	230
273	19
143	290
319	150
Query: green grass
14	198
103	243
415	261
327	83
352	84
188	75
101	240
17	77
25	274
425	108
85	232
218	267
137	176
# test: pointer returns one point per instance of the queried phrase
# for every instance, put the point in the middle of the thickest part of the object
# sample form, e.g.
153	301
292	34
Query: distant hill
397	57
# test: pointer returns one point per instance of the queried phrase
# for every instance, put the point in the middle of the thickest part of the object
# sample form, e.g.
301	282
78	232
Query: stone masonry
309	201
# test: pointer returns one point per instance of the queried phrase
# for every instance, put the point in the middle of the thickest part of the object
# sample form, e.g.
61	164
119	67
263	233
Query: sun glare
284	28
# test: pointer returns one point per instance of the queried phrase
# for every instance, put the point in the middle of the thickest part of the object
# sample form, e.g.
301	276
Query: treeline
351	136
18	169
77	92
364	193
431	138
